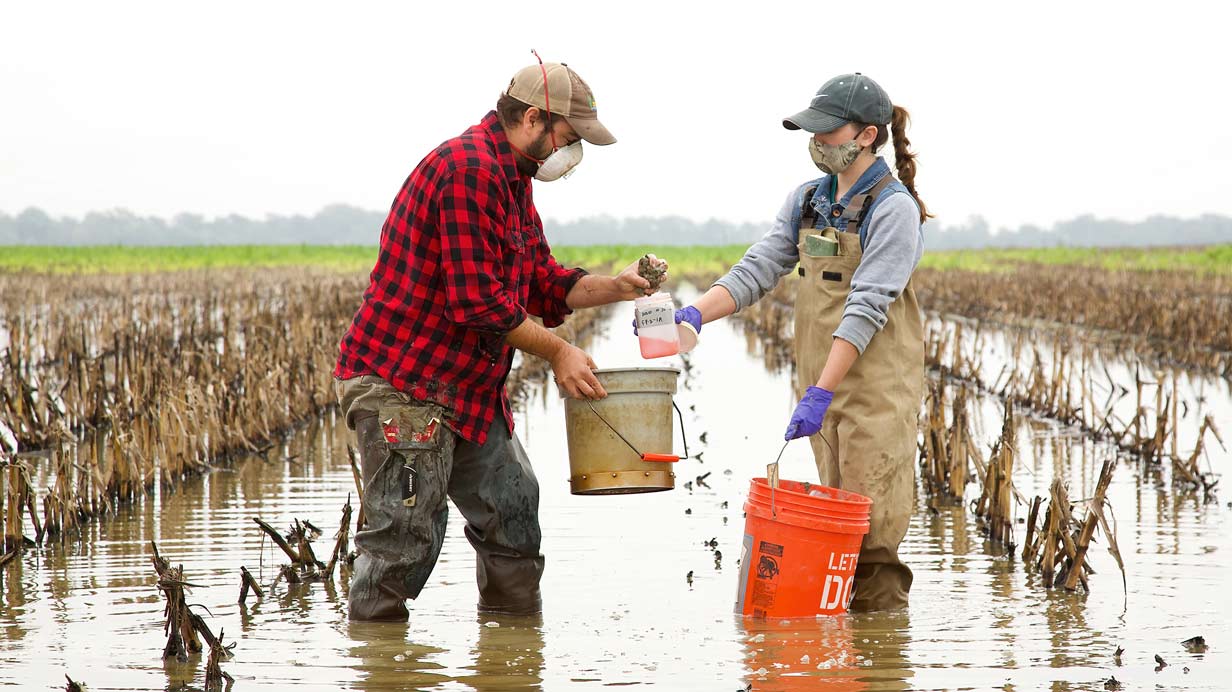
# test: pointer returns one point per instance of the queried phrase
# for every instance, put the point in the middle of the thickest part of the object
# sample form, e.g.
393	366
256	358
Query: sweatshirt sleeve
892	250
767	261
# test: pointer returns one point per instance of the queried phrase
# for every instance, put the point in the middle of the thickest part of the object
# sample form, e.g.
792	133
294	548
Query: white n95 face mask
560	163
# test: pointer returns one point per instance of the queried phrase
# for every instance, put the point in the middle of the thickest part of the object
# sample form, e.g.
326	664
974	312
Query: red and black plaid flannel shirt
463	260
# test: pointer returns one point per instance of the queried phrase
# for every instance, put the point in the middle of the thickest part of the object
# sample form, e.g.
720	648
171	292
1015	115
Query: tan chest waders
867	443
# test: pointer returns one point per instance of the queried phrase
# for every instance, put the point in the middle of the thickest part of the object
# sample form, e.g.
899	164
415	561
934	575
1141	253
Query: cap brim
591	130
813	121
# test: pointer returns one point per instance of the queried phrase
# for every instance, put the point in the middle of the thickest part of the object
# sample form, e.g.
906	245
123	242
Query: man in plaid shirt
421	373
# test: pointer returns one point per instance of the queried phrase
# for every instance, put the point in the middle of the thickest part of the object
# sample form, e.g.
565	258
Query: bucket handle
772	470
648	456
772	477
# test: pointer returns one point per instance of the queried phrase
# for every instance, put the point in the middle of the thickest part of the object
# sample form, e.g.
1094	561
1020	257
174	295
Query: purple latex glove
690	315
809	413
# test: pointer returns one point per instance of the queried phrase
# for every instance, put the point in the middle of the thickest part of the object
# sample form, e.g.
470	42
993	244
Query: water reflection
12	579
848	653
507	655
180	674
386	660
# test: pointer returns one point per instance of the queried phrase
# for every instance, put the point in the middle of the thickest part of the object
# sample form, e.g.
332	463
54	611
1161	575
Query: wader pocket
821	244
828	272
417	443
822	258
411	458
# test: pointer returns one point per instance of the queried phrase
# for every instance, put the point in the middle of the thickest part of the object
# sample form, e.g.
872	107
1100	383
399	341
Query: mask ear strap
547	101
526	155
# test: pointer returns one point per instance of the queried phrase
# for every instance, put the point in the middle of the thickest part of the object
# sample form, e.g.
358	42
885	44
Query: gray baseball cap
844	99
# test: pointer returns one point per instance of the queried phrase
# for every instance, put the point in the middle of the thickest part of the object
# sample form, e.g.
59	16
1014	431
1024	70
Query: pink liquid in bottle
657	348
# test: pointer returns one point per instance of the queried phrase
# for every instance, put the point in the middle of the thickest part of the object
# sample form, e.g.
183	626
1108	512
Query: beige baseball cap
567	96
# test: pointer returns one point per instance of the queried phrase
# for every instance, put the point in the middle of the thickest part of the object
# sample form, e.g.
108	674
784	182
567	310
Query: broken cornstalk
1074	572
304	564
341	542
1186	471
214	675
181	625
20	498
247	581
995	505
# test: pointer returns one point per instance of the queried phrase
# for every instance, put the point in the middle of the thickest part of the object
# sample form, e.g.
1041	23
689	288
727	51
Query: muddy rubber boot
376	594
382	605
882	582
508	584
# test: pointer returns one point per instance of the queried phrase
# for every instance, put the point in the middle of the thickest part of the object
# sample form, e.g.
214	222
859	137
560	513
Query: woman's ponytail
904	158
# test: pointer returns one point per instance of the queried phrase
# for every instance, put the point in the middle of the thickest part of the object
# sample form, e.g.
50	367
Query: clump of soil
652	269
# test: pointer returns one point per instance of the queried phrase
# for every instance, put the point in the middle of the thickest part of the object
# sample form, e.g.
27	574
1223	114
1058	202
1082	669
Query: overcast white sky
1027	115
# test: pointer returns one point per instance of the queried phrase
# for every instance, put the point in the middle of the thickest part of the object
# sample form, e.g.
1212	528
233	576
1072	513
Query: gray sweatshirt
891	252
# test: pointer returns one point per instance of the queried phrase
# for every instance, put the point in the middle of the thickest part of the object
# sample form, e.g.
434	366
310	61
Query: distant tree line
345	225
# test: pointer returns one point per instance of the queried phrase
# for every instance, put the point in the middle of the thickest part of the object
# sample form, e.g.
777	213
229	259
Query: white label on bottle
655	316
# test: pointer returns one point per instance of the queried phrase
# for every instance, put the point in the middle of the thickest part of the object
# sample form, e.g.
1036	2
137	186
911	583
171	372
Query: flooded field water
618	608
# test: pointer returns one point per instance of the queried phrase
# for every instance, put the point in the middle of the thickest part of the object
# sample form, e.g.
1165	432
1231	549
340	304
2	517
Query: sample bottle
656	325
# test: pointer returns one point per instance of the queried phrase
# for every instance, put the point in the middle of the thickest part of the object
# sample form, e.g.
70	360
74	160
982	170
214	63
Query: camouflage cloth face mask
833	159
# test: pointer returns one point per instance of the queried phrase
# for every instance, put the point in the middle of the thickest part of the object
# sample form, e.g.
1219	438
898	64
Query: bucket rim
656	386
840	513
806	521
850	498
659	368
810	503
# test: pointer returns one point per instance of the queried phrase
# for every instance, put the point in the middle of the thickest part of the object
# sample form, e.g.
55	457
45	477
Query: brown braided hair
904	158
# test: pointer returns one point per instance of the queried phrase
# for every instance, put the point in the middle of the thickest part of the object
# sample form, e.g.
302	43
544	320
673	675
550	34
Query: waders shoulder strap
807	217
860	204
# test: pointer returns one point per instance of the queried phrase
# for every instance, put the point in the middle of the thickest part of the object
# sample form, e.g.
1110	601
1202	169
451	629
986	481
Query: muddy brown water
619	611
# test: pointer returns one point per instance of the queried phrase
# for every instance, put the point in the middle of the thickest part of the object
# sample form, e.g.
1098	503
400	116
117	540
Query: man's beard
540	149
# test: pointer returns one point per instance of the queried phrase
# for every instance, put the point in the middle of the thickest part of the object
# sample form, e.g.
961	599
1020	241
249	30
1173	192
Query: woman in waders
859	335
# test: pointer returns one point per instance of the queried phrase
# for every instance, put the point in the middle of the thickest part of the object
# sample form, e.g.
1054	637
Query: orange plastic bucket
799	553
